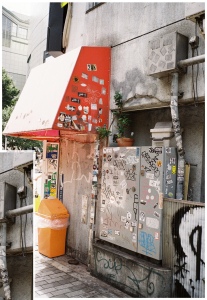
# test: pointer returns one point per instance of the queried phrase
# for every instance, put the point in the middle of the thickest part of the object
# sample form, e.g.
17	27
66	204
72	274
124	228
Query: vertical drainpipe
178	137
3	264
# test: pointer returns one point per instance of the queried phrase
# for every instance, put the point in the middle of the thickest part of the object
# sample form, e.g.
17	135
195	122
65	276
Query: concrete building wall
16	178
15	45
76	165
20	267
37	34
106	25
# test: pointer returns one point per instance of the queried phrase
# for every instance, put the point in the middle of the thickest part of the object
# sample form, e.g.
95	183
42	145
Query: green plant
103	132
123	120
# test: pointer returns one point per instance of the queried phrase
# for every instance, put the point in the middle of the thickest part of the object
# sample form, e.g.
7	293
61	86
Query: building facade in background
15	46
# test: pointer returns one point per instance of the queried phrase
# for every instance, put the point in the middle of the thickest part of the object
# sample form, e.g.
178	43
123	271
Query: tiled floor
56	278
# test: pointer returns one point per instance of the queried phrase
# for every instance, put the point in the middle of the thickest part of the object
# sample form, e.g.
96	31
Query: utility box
165	53
135	181
162	134
52	221
8	194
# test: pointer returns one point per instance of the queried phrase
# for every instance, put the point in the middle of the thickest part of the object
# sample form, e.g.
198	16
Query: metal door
120	196
151	202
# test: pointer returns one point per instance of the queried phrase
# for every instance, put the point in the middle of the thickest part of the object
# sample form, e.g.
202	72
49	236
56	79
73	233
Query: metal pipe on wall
178	137
19	211
191	61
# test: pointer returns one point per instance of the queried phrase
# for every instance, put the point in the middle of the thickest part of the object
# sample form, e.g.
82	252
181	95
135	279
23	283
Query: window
22	33
9	29
92	5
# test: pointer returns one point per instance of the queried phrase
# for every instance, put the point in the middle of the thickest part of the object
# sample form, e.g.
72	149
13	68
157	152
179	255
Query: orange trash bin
52	222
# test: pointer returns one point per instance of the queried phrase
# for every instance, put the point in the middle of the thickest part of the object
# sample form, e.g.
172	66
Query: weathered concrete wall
131	274
192	120
106	26
76	164
20	269
16	178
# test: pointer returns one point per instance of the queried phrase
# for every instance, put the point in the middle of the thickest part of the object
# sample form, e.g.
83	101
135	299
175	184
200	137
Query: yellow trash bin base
51	242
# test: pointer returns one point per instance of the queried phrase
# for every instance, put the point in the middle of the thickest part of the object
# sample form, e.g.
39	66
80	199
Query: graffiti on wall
119	272
188	232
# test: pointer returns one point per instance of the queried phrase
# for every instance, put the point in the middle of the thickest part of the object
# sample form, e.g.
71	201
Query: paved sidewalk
56	278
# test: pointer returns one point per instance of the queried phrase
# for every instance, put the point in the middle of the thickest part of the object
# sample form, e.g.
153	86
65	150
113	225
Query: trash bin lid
52	209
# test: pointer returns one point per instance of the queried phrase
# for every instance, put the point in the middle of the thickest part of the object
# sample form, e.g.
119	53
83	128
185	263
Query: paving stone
75	294
55	278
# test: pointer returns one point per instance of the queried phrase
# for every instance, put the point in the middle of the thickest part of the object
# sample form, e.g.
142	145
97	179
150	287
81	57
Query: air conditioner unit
194	10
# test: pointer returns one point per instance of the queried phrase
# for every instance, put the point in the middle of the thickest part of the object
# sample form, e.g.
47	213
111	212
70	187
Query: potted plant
123	122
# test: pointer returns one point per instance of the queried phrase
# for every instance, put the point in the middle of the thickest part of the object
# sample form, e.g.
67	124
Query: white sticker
147	197
74	118
149	176
100	101
123	184
109	150
80	107
117	232
89	126
101	81
85	76
149	191
134	237
129	215
134	224
152	223
93	106
103	91
83	84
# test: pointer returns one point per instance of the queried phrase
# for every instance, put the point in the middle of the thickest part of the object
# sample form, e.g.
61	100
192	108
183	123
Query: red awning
66	95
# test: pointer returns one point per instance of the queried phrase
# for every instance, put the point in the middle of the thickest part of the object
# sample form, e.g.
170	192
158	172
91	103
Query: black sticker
82	95
76	100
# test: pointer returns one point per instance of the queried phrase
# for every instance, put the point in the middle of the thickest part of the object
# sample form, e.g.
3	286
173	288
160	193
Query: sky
19	7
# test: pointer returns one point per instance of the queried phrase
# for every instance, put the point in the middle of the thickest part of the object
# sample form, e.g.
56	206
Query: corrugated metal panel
184	246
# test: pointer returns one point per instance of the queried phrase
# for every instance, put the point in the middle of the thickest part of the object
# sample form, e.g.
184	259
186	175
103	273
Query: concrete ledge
131	274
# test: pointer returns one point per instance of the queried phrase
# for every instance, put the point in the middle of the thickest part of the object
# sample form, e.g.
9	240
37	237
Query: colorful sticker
156	235
173	169
91	67
160	201
159	163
